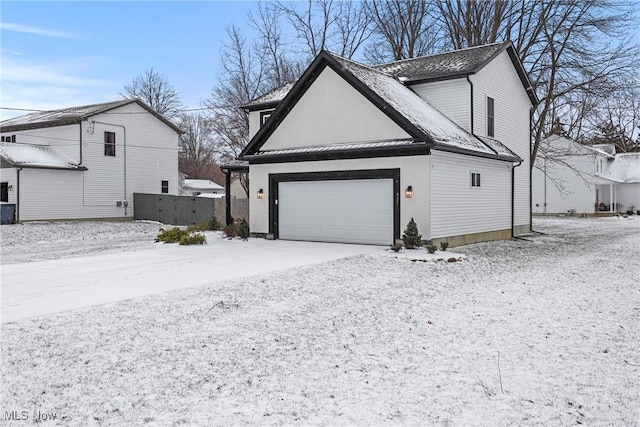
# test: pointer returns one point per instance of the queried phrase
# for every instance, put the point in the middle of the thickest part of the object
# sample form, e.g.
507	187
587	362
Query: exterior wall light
408	193
261	194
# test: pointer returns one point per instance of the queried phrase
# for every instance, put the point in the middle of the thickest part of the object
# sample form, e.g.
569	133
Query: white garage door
345	211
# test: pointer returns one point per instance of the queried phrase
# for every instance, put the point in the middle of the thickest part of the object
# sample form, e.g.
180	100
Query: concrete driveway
45	287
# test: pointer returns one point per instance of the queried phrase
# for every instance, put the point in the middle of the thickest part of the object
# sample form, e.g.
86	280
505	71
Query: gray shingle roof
72	115
271	97
448	64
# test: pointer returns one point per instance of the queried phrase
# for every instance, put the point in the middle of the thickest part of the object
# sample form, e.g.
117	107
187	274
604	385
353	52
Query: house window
490	117
475	179
109	143
4	192
264	116
165	187
8	138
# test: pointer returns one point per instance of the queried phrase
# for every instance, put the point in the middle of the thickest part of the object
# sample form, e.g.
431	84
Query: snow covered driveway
124	263
537	332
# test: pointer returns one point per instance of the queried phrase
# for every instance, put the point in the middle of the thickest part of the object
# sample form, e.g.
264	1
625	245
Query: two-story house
350	153
86	162
571	178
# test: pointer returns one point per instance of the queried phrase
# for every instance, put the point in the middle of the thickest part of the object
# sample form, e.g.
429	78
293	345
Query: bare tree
403	29
197	154
338	26
618	121
154	89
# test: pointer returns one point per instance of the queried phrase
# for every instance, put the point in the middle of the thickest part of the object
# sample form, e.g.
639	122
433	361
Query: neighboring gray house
350	153
572	178
86	162
197	187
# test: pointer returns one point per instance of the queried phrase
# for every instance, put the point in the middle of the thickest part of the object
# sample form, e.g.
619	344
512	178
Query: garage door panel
348	211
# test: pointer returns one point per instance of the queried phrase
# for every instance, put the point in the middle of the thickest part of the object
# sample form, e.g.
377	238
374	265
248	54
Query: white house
197	187
86	162
571	178
350	153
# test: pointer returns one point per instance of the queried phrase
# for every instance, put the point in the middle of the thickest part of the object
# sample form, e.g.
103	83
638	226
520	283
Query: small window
4	192
475	179
109	143
490	117
8	138
264	116
165	187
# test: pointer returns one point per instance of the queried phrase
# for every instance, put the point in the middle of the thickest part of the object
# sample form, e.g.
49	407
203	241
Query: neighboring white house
204	187
350	153
571	178
86	162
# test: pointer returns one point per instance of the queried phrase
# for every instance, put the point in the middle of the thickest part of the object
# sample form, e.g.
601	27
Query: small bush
396	247
444	246
638	212
173	235
432	248
243	229
193	239
214	224
411	237
629	212
230	231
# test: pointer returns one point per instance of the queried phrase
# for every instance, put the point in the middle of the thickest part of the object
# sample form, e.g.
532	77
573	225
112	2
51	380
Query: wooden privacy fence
185	210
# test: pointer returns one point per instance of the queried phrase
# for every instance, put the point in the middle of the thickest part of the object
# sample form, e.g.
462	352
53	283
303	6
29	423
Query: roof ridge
440	53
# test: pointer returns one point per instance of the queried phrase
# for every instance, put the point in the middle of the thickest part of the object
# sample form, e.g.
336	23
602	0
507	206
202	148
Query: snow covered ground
536	332
132	267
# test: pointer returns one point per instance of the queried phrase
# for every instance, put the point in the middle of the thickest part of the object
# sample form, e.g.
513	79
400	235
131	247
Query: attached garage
344	207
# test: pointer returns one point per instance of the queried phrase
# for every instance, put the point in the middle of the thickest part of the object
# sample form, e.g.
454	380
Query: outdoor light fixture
261	194
408	193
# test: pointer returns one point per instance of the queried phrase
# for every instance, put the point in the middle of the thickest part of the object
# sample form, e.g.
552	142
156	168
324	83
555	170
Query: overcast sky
63	54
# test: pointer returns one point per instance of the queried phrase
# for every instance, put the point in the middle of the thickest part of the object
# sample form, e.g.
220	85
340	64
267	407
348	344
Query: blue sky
61	54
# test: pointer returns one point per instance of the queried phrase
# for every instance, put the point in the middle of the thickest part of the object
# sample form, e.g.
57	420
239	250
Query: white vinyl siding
500	81
450	97
332	112
343	211
457	208
151	156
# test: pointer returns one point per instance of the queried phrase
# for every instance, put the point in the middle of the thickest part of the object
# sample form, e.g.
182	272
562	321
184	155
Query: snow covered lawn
537	332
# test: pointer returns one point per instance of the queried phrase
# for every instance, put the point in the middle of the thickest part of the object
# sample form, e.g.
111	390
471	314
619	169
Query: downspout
18	194
471	109
227	202
80	124
513	198
124	153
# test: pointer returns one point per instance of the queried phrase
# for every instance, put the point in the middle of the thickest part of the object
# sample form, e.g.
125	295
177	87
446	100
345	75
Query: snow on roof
457	62
609	149
73	115
65	114
420	113
498	147
340	147
36	156
202	184
273	96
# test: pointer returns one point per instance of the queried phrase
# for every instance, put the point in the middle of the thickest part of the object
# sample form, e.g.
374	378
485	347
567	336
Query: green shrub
193	239
173	235
411	237
182	236
432	248
444	246
243	229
